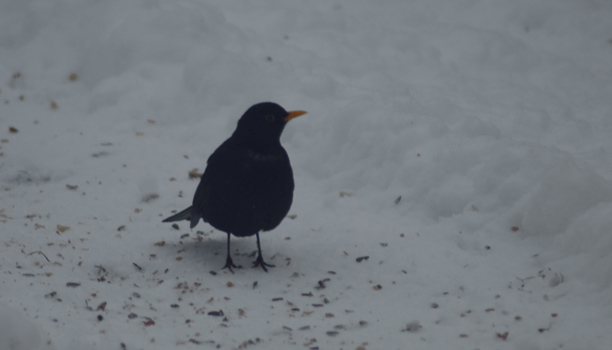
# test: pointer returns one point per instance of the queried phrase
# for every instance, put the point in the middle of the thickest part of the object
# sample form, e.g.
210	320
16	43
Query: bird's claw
260	262
229	264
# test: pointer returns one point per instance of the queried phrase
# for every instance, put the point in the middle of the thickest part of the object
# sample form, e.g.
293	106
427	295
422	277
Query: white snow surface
491	119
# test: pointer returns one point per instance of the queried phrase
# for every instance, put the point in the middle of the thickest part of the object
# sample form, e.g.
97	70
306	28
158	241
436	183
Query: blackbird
247	186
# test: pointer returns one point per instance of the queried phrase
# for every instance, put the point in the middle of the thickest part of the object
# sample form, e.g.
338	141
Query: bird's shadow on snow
209	252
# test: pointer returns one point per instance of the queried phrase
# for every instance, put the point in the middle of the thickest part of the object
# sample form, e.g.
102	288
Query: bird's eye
269	118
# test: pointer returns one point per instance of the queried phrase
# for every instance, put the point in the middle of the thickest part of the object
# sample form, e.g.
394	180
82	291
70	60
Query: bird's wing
202	194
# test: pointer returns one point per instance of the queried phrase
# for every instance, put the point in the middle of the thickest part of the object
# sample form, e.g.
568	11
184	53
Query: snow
463	147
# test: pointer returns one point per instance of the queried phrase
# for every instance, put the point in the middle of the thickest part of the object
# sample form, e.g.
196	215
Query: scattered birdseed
216	313
503	336
412	327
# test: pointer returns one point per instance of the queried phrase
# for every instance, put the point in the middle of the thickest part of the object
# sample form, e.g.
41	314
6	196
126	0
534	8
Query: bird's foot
260	262
229	264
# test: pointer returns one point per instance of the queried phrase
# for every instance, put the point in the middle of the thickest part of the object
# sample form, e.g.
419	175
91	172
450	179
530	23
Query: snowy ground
453	174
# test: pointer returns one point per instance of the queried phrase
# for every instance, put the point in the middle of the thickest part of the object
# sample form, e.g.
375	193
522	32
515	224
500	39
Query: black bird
247	186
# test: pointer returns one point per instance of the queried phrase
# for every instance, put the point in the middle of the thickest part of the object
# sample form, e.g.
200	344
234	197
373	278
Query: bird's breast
263	157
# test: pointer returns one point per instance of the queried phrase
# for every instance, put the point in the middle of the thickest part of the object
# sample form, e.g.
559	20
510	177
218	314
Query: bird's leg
259	261
228	262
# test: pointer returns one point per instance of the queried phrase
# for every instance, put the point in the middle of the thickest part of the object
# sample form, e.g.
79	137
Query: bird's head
262	125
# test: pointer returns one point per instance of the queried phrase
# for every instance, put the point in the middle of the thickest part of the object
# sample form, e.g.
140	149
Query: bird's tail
184	215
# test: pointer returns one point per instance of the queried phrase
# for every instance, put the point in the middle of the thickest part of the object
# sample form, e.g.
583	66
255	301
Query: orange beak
293	114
